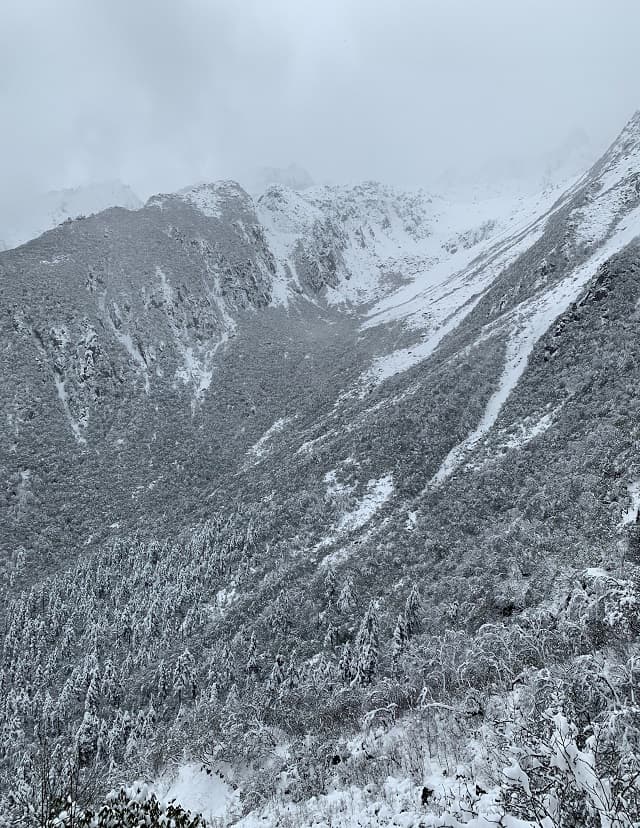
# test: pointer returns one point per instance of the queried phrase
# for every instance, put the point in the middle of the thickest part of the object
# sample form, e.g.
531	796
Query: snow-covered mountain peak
210	198
378	206
287	210
343	238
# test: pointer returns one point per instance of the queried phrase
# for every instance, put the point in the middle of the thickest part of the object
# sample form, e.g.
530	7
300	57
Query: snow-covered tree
366	647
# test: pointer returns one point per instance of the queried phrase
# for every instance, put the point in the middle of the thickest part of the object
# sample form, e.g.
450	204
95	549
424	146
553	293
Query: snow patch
195	371
62	394
334	487
447	289
529	431
633	512
446	280
198	790
259	449
377	493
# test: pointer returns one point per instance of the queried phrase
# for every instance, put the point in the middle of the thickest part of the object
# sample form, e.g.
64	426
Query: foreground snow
199	791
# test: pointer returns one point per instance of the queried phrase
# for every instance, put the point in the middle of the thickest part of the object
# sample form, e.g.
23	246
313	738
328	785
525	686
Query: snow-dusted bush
128	808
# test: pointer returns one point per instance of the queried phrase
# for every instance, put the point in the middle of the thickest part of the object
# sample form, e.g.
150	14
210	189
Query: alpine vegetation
320	504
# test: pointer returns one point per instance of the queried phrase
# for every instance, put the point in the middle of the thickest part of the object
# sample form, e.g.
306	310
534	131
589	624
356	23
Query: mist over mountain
31	214
307	494
522	174
292	176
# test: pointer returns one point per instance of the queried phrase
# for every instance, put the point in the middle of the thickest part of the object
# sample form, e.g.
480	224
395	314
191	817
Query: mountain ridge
334	473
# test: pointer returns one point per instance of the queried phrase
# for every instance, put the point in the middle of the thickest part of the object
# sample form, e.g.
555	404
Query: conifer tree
330	584
400	638
412	611
92	697
184	680
87	738
346	599
345	665
366	647
330	636
252	656
228	665
277	675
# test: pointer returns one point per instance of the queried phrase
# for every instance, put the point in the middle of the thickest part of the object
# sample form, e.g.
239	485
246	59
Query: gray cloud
165	92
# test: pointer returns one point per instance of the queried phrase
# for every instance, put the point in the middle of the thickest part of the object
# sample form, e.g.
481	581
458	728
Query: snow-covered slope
337	486
361	243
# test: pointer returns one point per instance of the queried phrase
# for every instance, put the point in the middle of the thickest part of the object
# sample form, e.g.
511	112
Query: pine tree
228	665
346	599
330	584
87	738
252	656
92	697
281	613
229	719
330	636
412	611
184	679
345	665
103	745
400	638
366	647
163	681
277	676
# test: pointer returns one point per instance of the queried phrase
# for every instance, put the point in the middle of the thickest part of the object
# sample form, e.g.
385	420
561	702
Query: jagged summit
210	198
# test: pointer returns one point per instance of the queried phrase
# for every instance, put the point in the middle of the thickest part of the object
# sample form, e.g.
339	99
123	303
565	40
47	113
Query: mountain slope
299	467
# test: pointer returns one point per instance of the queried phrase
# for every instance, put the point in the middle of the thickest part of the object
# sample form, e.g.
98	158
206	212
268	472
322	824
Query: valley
329	497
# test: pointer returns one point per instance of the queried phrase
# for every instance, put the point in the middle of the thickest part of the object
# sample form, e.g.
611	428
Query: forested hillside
331	498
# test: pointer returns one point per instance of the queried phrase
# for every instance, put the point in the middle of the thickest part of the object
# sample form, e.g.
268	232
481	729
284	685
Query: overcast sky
161	93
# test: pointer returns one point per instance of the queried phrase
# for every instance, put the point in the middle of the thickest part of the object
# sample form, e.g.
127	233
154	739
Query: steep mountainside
279	471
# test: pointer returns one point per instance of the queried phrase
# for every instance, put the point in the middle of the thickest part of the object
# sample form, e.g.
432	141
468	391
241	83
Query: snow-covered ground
447	290
198	790
385	235
376	494
452	276
64	399
442	798
527	323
